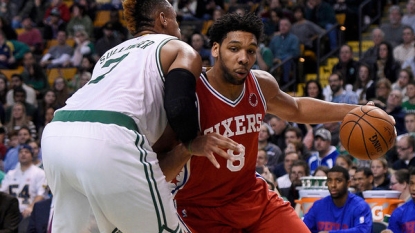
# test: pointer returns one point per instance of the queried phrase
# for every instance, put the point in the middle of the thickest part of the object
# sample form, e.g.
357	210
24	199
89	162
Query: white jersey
25	186
129	79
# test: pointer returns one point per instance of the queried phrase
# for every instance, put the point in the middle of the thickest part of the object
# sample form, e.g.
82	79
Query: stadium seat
341	18
10	72
102	17
66	73
19	31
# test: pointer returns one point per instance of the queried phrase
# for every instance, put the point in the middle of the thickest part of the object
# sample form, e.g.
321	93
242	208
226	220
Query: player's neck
216	79
340	201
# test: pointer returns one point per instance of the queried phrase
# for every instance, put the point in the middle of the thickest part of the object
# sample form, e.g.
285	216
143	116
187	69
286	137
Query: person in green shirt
409	105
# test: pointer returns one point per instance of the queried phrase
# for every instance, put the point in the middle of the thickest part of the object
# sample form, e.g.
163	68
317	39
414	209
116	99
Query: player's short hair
341	170
235	22
139	14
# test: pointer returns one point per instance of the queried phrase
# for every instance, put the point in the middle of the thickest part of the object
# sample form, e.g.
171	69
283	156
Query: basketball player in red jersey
232	101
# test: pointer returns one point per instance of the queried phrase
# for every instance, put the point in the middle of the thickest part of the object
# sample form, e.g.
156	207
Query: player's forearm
314	111
173	161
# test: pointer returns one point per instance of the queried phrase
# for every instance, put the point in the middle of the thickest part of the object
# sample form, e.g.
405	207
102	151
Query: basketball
367	132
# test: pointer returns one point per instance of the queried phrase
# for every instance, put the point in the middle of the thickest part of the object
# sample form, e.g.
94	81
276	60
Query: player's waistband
99	116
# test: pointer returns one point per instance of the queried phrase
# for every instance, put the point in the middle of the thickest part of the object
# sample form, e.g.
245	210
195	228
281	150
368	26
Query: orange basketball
367	132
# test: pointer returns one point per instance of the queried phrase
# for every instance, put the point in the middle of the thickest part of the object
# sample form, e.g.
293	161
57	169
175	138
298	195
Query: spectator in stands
406	50
19	50
305	30
278	126
264	57
119	30
17	81
409	105
19	118
340	95
400	182
37	160
8	31
49	113
57	55
294	134
48	100
406	153
403	218
347	66
31	36
409	123
54	25
40	219
381	179
8	10
405	76
273	151
60	87
4	87
79	21
38	11
394	27
87	65
394	108
344	160
205	8
12	156
321	171
198	43
325	153
284	46
383	88
370	56
409	17
272	22
34	76
322	14
84	47
63	9
313	89
386	66
364	86
10	213
282	169
108	41
340	210
6	53
353	182
298	169
364	180
26	182
19	96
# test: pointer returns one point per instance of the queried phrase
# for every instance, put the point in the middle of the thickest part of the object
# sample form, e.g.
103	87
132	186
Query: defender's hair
139	14
234	22
341	170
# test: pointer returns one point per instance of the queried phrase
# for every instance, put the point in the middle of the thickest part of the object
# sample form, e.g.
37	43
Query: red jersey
202	184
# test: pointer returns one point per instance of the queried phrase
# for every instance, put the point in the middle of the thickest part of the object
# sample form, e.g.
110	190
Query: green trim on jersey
158	51
152	185
100	116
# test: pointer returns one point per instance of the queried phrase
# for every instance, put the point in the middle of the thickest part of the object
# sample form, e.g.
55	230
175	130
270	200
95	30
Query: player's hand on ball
211	143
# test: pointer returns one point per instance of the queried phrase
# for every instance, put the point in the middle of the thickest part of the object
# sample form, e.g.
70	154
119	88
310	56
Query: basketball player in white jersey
99	150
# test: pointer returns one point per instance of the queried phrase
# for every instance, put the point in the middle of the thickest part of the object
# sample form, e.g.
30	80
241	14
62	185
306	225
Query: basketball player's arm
299	109
173	155
181	65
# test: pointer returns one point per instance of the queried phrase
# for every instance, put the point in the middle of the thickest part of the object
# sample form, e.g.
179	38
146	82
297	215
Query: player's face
337	184
236	56
172	25
412	186
410	122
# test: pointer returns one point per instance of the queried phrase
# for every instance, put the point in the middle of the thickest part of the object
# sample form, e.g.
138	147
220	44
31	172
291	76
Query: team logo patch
253	100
